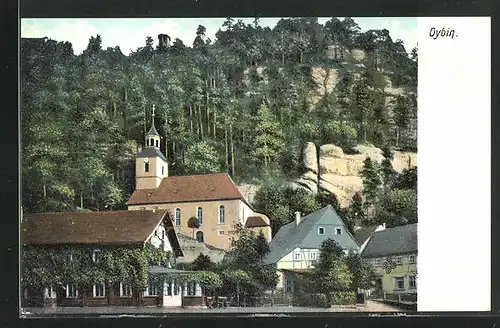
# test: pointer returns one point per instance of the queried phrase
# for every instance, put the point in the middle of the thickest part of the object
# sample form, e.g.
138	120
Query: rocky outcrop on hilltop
332	170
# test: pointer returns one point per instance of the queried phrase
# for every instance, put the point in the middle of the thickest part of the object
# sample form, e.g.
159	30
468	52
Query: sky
131	33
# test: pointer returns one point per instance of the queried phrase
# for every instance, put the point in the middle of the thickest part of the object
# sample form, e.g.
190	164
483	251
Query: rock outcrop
326	80
339	173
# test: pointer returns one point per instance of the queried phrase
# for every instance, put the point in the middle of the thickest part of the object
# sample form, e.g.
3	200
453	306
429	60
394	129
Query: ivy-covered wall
42	266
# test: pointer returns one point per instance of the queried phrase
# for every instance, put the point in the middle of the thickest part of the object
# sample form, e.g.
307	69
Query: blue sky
131	33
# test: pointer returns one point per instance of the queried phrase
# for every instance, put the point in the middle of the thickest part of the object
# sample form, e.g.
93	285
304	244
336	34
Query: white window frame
200	219
49	292
297	256
398	260
414	282
223	221
313	256
321	228
396	283
67	291
155	289
338	231
222	233
124	287
95	258
94	291
414	257
178	219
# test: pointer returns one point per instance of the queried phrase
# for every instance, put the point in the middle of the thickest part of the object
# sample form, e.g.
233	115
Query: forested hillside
245	103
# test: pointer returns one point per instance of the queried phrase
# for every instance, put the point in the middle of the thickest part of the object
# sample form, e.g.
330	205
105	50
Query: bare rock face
310	157
340	174
358	54
326	80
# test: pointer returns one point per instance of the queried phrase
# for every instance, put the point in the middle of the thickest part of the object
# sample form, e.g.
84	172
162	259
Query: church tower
151	166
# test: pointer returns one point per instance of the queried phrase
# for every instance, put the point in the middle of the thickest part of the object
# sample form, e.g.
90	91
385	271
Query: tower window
152	142
147	142
146	167
156	143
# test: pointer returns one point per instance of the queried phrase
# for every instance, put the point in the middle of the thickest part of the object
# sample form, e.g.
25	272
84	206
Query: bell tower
151	166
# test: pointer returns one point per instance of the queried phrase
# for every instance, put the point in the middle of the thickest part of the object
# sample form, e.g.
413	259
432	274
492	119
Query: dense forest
240	103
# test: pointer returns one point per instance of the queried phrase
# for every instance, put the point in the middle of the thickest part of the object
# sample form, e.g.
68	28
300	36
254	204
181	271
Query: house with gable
82	237
212	199
296	246
393	253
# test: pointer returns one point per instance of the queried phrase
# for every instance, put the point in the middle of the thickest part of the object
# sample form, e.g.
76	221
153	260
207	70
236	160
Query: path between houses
371	306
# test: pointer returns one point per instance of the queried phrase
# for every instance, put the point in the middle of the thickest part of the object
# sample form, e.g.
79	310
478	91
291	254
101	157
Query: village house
393	253
82	237
296	246
213	201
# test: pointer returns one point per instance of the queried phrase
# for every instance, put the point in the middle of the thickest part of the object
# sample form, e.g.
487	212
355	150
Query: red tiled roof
116	227
204	187
255	222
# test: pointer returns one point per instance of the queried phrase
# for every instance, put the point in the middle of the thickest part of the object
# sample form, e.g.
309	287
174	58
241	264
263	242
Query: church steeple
152	136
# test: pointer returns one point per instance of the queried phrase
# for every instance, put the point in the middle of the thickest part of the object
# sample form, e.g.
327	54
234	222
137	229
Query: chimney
297	218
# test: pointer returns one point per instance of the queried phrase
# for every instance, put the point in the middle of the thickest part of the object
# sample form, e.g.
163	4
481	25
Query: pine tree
372	181
268	142
387	169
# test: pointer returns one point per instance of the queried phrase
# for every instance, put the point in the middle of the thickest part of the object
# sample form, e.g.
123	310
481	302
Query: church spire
153	137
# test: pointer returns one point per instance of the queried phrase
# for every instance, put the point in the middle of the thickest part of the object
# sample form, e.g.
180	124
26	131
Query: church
205	207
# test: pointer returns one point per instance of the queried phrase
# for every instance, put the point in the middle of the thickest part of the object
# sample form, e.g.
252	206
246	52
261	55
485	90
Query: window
146	167
152	142
152	289
71	291
156	143
191	288
338	231
399	283
49	292
321	231
162	234
147	142
312	256
412	282
169	288
95	255
221	214
222	233
125	290
99	290
412	259
399	260
177	216
199	215
296	256
163	170
176	288
199	236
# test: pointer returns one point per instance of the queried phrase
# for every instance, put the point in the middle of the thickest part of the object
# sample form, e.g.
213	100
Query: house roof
397	240
305	234
255	222
151	152
361	234
189	188
116	227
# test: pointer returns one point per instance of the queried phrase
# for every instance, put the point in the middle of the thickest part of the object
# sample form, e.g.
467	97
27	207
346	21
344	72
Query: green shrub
343	298
312	300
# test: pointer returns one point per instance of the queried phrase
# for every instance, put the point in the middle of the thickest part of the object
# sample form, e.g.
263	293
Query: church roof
152	131
189	188
104	227
151	152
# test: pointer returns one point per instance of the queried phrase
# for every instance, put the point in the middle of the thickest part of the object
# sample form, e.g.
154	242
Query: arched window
199	215
152	142
147	142
199	236
177	216
156	143
146	167
221	214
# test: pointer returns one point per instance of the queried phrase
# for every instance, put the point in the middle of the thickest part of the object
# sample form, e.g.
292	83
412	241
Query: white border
454	165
